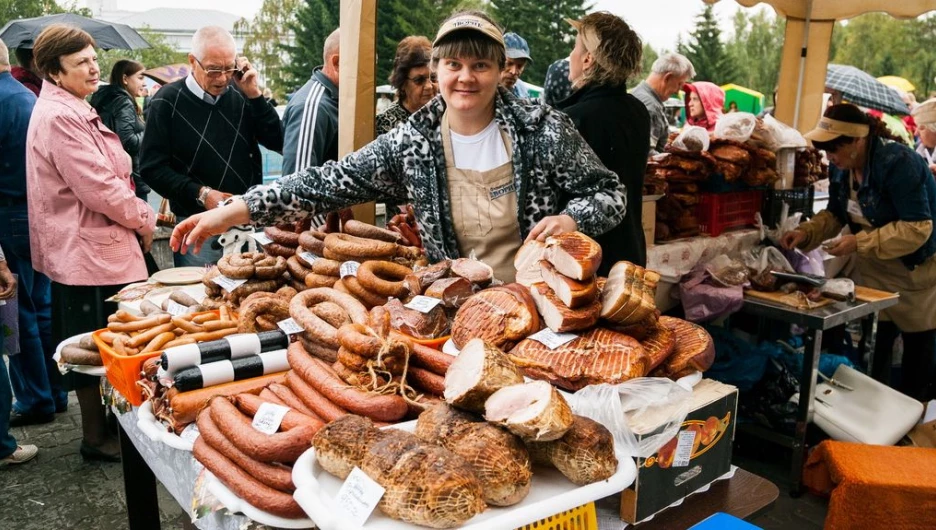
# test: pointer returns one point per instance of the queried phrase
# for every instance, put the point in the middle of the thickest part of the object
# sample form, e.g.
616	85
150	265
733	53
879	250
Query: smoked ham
420	279
480	369
452	291
573	293
534	411
415	323
628	295
557	315
475	271
694	350
527	262
502	315
573	254
597	356
584	455
659	344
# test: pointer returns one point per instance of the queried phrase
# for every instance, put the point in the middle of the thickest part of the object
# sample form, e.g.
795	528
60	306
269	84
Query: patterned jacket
552	166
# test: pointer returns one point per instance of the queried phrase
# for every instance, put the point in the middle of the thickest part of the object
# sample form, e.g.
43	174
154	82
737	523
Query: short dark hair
412	52
849	113
54	42
468	43
24	56
126	67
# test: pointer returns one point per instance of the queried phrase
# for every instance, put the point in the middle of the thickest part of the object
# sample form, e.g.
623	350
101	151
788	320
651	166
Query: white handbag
853	407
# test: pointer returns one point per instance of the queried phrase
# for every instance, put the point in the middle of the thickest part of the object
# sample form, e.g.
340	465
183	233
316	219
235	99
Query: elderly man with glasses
201	139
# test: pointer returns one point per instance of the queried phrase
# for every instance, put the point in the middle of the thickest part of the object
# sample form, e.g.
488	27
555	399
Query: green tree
397	19
16	9
706	50
159	53
264	41
755	50
647	58
314	21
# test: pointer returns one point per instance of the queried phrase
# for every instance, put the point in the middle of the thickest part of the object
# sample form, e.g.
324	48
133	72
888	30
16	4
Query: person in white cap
925	117
885	194
484	170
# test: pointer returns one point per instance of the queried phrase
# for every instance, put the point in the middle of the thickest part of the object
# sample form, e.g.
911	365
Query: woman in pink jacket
704	104
84	217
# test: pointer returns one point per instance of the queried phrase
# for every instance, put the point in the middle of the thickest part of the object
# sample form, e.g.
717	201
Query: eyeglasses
215	73
420	80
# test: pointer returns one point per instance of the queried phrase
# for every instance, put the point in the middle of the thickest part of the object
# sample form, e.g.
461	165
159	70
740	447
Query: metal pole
802	65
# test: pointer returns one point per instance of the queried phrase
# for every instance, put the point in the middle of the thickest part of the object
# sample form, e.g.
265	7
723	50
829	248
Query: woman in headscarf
704	104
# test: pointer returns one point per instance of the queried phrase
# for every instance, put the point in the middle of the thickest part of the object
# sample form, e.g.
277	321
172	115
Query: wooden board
788	299
867	294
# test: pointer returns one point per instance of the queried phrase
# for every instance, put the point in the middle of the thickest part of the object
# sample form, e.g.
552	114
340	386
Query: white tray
551	493
236	504
157	432
97	371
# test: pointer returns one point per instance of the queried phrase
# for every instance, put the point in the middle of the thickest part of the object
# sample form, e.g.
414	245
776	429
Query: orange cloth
874	486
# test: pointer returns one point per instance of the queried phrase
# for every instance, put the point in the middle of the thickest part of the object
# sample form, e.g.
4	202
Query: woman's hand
792	239
551	226
7	283
194	231
846	245
146	243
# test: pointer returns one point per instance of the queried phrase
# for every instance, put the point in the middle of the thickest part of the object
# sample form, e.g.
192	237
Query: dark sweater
118	112
617	127
189	143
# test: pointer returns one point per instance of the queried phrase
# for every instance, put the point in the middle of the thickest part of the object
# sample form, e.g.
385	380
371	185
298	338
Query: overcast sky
659	22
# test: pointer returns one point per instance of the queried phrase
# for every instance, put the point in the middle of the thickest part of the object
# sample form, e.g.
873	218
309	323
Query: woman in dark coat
116	104
614	123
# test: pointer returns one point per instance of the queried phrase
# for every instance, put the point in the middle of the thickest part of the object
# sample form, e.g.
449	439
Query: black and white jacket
552	166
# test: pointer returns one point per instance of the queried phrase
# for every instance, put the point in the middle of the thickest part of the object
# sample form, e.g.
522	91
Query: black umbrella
22	33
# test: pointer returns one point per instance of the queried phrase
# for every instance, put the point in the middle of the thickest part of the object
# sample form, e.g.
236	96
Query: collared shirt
193	86
520	89
659	126
928	154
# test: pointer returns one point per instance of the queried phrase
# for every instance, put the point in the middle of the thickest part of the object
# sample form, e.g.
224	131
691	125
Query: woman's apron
916	310
484	210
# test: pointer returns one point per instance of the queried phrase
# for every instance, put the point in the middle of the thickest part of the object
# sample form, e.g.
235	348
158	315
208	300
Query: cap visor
820	135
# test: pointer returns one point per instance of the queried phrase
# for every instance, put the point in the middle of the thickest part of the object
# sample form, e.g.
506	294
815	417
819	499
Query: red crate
720	211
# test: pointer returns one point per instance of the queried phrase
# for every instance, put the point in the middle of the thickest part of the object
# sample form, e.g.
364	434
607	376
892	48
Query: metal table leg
867	345
139	487
805	410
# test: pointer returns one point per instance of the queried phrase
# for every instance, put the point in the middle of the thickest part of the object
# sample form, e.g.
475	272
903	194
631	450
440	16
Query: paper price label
175	308
684	448
290	326
423	304
228	284
349	268
261	238
268	417
551	339
308	257
190	433
358	496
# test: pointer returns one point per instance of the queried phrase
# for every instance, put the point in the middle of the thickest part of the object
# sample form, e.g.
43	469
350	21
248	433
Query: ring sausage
296	269
314	348
323	378
426	380
274	308
310	241
348	245
340	287
276	476
279	251
239	266
327	267
314	400
283	237
314	280
359	340
368	231
351	360
245	486
332	313
384	278
429	358
366	297
282	447
314	325
270	268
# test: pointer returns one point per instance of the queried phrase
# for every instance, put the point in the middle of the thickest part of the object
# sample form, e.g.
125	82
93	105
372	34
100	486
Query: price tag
268	417
290	326
349	268
551	339
423	304
190	433
358	496
175	309
684	448
228	284
308	257
261	238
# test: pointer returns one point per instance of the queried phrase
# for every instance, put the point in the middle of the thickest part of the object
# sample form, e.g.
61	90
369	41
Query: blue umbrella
22	33
860	88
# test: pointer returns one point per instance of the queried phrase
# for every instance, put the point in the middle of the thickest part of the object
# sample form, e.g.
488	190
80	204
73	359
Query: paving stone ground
59	490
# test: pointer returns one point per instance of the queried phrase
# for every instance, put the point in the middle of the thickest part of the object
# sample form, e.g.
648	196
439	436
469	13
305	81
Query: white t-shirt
480	152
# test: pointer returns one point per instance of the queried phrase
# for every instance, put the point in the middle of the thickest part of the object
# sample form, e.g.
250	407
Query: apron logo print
500	191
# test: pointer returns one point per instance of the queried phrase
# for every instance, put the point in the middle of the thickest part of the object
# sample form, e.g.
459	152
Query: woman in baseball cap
885	194
484	171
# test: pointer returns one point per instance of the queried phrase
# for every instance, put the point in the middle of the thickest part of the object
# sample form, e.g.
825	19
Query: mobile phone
239	74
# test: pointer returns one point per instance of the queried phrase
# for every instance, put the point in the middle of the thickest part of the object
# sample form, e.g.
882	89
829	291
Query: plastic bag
772	134
640	405
692	138
762	259
726	271
736	126
704	300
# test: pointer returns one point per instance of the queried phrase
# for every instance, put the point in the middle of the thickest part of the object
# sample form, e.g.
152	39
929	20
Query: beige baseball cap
470	22
828	129
925	113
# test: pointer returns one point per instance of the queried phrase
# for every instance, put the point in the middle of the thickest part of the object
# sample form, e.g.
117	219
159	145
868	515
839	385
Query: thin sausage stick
159	341
147	336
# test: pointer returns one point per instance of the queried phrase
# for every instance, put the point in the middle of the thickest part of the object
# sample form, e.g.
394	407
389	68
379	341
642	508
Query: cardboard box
696	456
648	218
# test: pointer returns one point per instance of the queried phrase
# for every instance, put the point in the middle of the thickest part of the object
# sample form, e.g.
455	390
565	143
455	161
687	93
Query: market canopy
806	47
747	100
168	73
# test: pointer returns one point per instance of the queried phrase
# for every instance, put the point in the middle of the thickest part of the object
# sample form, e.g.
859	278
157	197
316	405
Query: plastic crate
582	518
799	199
720	211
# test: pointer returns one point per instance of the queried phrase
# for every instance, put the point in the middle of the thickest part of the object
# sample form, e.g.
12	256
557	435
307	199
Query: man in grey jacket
310	123
667	76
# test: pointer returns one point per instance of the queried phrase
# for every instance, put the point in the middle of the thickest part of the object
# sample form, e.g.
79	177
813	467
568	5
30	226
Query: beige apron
484	210
916	310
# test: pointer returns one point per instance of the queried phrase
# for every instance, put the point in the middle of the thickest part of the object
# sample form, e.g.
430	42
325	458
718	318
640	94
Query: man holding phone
200	144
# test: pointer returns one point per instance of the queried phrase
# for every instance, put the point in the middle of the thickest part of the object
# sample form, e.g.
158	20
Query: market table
815	321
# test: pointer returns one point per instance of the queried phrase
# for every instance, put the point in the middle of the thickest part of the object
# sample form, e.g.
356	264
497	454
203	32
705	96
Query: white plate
97	371
157	432
236	504
179	276
551	493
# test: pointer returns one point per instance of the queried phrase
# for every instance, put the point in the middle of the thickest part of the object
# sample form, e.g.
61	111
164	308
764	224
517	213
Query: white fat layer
615	288
465	371
523	401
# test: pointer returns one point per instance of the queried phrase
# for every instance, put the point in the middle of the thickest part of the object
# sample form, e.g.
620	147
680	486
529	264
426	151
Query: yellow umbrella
897	82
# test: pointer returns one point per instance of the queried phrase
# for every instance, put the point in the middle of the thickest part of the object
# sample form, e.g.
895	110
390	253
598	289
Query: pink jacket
83	215
713	101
